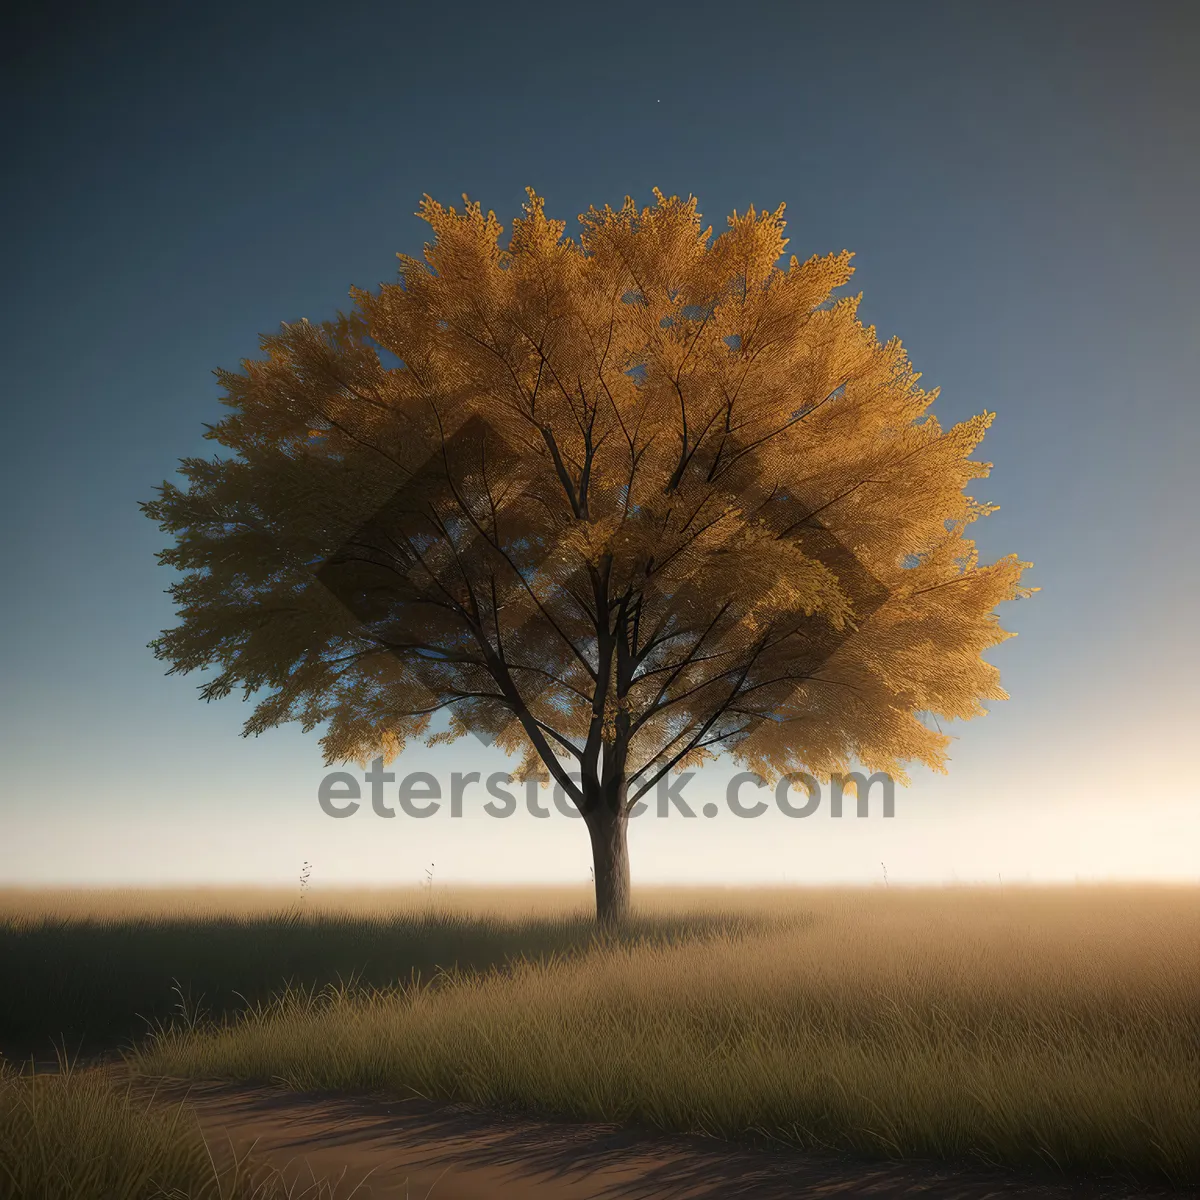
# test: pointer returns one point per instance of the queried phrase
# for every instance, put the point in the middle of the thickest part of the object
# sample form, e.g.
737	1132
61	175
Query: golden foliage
626	500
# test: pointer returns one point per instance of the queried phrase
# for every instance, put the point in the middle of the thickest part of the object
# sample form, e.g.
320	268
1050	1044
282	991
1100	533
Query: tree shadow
97	986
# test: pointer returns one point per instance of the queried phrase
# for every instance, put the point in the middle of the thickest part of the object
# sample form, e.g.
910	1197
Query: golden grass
94	979
83	1135
22	905
1053	1025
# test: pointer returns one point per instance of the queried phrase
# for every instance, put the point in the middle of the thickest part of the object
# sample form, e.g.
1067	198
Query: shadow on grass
93	987
620	1163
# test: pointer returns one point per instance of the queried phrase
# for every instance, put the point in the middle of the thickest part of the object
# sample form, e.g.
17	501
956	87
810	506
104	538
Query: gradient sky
1019	182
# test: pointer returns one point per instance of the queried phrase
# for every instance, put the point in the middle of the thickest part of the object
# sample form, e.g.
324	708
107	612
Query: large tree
618	503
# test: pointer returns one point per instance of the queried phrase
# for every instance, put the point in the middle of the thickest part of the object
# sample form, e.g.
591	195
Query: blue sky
1018	183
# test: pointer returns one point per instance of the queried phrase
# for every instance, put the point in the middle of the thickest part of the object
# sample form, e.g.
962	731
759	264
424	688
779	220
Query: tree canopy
620	502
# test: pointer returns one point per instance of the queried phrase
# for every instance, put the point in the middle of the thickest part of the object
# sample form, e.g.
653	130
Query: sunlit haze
1017	183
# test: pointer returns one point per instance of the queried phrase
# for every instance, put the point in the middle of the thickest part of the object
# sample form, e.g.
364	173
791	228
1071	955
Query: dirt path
414	1150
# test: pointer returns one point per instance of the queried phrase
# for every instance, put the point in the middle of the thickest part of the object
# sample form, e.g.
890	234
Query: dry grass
80	1135
98	969
1052	1025
26	905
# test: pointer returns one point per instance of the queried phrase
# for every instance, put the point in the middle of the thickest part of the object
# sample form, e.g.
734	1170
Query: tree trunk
608	824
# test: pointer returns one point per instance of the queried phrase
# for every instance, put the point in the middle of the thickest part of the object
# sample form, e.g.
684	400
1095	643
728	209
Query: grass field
98	970
1057	1026
72	1135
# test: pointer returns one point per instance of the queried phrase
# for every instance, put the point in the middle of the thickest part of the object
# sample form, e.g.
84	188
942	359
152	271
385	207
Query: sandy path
416	1150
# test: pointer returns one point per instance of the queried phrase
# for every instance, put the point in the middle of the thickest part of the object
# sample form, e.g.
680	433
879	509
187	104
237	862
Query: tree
621	504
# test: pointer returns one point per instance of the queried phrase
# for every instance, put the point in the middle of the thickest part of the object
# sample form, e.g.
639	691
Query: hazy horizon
1018	186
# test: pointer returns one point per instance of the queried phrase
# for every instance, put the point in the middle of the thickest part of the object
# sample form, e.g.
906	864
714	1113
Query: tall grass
97	970
77	1135
1052	1027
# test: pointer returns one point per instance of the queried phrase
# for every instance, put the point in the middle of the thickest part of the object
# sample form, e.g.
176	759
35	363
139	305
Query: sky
1018	182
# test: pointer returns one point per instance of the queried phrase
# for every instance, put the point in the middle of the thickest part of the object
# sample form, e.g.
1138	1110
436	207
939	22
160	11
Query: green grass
77	1135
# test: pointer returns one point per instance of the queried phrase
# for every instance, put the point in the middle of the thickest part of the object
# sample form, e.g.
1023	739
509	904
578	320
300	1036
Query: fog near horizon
1018	188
